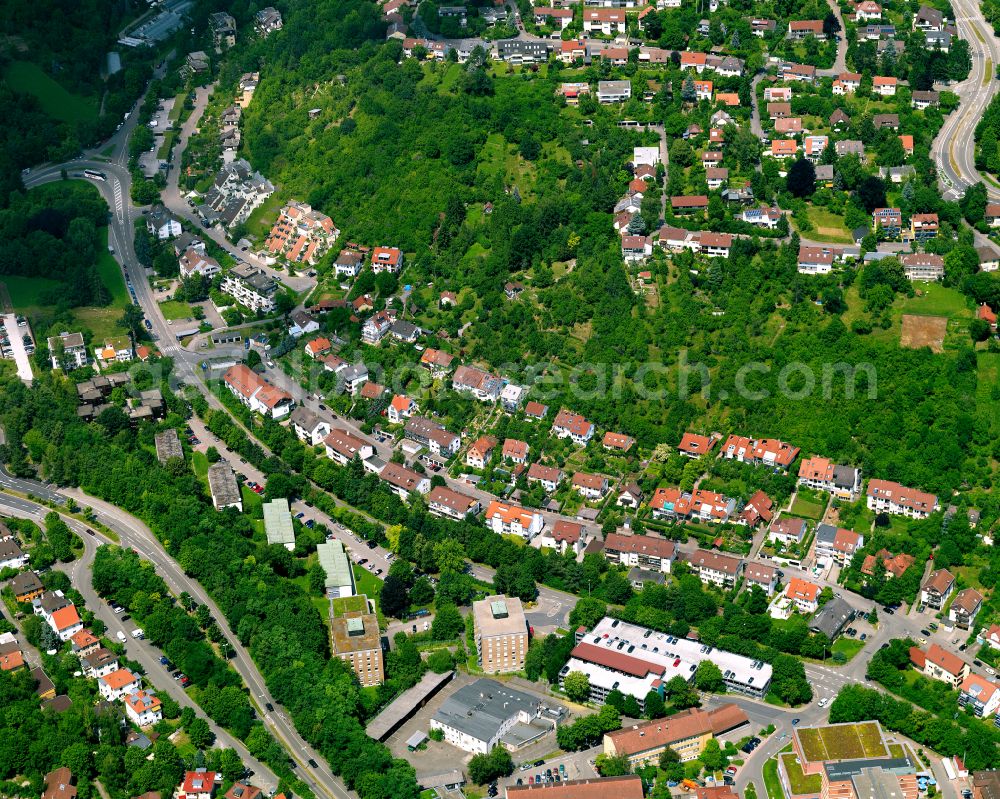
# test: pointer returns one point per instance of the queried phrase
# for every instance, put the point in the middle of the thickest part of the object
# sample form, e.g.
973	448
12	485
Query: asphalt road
953	150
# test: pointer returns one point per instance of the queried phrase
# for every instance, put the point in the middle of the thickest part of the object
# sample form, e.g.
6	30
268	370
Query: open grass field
200	464
798	781
933	299
500	157
26	293
262	218
848	647
923	331
174	309
828	227
808	505
58	103
842	741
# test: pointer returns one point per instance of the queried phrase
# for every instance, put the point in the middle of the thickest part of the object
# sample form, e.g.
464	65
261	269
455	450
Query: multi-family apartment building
501	633
715	568
509	519
256	393
844	482
885	496
837	543
301	233
250	287
935	591
356	640
645	551
452	504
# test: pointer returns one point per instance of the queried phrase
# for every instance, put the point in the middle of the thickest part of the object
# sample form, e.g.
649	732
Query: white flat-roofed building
223	487
635	660
73	354
339	576
278	523
476	716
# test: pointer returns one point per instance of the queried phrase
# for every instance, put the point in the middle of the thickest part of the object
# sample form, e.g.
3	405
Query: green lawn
828	227
55	101
807	507
168	141
847	646
937	300
772	784
798	781
178	107
262	218
371	586
174	309
450	78
26	292
200	464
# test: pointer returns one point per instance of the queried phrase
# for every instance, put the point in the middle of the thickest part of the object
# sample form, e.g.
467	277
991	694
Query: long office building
635	660
339	576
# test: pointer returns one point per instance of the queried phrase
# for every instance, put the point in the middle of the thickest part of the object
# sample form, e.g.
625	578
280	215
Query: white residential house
67	350
309	426
118	684
509	519
343	446
143	708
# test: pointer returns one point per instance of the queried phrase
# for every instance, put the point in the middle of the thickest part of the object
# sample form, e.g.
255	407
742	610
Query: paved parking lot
436	758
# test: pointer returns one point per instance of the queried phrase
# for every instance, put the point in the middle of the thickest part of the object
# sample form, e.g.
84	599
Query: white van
121	636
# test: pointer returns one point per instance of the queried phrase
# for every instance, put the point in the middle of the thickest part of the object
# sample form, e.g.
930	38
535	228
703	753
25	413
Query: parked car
269	707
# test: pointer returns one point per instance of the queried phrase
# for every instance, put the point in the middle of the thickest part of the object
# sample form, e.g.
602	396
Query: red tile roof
626	664
640	545
694	444
627	787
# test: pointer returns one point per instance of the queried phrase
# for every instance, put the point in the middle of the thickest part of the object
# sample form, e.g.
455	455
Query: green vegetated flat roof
842	742
350	604
278	522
